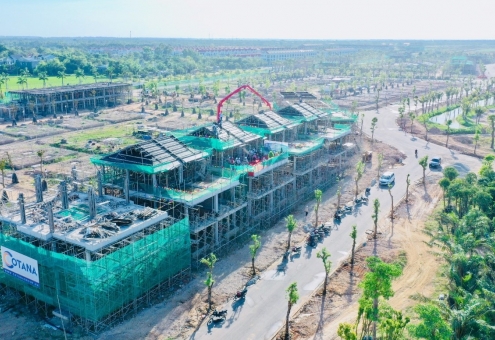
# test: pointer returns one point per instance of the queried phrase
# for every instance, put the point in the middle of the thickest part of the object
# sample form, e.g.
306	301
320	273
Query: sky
244	19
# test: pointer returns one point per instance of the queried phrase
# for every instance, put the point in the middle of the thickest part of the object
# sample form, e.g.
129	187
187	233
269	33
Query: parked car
387	178
436	163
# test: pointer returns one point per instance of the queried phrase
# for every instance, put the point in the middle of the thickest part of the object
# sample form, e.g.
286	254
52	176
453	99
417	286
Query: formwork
112	283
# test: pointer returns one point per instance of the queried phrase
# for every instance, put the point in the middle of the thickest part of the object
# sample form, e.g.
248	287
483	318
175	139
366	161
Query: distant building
276	55
67	98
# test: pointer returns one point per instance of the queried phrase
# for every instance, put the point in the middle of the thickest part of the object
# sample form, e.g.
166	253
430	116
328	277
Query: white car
387	178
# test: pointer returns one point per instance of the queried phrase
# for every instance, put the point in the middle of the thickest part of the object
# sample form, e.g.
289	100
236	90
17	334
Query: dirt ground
319	318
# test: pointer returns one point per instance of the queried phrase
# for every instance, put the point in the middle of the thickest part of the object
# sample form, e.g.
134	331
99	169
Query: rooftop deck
114	221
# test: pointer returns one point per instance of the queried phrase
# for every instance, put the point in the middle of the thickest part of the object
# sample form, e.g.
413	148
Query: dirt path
404	237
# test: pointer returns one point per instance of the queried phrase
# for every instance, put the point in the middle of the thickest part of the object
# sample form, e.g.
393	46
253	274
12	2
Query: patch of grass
77	141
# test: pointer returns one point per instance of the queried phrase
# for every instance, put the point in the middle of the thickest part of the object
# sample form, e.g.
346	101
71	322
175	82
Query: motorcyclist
416	152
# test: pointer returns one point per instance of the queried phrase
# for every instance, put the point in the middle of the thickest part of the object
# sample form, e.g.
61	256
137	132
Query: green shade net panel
92	290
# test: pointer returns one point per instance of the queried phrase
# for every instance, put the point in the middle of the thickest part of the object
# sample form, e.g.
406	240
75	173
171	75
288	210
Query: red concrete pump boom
220	103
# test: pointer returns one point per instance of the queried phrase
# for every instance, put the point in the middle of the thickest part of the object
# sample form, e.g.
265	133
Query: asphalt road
263	312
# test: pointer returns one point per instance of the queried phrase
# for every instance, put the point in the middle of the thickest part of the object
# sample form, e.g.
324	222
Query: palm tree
324	255
291	224
412	116
21	81
40	154
3	166
479	112
318	196
43	76
491	119
448	123
253	249
61	75
476	139
376	210
210	263
25	73
80	75
292	298
5	80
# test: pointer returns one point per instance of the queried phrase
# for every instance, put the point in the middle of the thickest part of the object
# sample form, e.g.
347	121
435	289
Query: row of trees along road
463	234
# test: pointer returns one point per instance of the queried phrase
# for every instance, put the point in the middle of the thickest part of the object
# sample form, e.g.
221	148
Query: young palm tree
43	76
324	255
253	249
318	196
210	263
40	154
476	139
292	298
491	119
62	76
5	80
3	166
448	123
21	81
376	210
80	75
25	73
291	224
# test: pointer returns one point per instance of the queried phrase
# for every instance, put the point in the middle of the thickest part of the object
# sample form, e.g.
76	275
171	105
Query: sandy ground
319	318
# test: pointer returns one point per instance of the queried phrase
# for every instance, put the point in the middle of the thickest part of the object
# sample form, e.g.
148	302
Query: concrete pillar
22	208
215	229
126	186
215	203
155	183
87	254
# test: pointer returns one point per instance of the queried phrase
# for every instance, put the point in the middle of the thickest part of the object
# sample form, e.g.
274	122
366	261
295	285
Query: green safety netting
205	143
92	290
260	131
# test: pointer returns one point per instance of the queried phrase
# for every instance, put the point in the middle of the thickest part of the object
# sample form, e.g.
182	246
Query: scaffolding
98	282
66	98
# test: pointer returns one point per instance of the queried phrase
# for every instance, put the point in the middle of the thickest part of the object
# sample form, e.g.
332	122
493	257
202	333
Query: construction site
154	209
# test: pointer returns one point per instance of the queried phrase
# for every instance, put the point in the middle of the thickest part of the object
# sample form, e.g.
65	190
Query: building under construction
67	98
163	204
94	258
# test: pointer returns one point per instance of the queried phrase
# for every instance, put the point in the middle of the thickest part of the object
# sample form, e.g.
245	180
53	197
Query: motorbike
241	294
312	241
296	250
219	314
337	216
217	319
324	229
